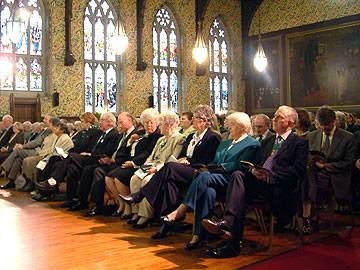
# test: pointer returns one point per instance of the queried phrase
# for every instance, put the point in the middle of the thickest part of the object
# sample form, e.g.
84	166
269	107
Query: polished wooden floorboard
40	236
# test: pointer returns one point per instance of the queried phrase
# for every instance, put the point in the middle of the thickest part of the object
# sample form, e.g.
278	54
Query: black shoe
194	245
93	212
77	207
218	228
68	204
125	216
40	198
8	185
28	187
132	198
141	226
162	233
166	220
45	186
133	221
228	249
307	228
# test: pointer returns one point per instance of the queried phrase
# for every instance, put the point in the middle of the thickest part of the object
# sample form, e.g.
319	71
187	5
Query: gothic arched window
219	69
166	62
102	66
22	44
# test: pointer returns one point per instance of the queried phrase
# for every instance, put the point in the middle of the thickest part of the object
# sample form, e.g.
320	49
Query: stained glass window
165	61
102	66
22	45
219	67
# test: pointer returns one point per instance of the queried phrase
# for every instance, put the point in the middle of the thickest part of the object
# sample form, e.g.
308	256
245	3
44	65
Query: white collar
285	135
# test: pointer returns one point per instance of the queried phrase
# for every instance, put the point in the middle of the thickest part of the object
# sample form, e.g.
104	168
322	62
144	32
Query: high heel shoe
194	245
168	221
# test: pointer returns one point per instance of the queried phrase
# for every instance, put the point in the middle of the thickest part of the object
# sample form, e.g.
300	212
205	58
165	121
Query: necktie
326	145
119	145
277	145
99	141
260	138
3	134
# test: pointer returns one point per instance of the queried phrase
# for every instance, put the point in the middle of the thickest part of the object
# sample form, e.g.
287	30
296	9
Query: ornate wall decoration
282	14
69	82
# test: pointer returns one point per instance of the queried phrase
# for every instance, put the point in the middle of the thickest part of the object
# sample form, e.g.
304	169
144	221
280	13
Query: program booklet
249	165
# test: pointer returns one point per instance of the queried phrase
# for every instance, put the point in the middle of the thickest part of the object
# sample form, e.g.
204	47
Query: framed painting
323	67
266	86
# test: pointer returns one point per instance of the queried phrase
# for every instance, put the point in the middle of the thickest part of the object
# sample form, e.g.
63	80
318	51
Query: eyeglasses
199	118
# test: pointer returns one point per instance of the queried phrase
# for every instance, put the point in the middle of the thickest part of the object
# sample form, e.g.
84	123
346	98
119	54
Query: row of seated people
155	165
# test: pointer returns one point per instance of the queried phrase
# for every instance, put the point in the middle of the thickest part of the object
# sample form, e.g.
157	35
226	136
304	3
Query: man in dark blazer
93	175
335	168
285	155
261	125
8	131
75	162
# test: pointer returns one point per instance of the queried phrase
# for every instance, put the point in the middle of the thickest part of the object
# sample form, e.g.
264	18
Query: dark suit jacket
85	140
106	146
341	158
205	149
7	135
19	138
144	147
290	161
123	154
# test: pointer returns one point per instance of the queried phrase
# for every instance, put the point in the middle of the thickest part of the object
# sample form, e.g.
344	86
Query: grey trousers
29	168
12	165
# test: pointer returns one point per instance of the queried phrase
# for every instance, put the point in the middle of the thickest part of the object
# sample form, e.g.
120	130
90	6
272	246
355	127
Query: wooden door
25	109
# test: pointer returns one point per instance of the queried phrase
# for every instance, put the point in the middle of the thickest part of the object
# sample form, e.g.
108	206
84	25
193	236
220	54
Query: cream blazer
64	141
165	148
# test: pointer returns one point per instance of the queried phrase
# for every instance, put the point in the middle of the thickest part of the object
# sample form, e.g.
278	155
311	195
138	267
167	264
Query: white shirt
285	135
236	141
195	141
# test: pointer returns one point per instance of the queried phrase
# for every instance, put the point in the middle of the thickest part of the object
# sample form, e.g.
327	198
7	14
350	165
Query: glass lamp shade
200	51
119	43
260	60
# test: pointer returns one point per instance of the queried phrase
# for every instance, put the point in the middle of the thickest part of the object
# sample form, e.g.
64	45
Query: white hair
108	116
149	114
290	113
242	119
9	117
169	118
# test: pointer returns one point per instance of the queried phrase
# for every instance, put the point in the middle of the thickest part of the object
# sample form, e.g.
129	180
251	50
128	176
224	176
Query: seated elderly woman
167	148
203	190
141	145
17	137
161	194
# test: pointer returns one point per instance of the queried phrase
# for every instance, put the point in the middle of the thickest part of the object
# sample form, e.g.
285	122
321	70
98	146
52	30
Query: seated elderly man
8	131
261	125
203	191
334	167
285	155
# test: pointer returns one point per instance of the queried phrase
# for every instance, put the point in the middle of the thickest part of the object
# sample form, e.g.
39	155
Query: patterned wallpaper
68	81
282	14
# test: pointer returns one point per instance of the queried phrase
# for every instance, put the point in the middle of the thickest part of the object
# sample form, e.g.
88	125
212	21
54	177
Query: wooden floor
39	236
